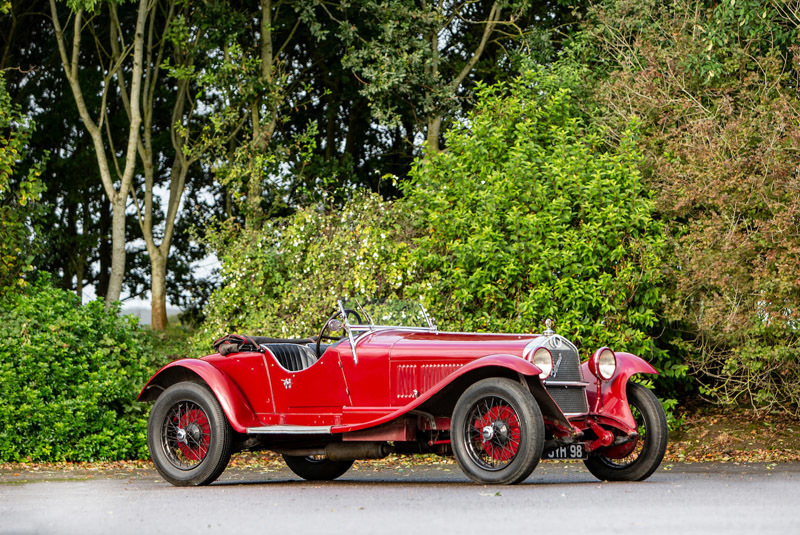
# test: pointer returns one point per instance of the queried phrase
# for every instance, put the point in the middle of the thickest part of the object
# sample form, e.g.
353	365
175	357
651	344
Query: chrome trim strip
290	430
394	327
566	383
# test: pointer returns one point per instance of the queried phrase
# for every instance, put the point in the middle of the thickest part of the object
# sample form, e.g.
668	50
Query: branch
71	70
494	15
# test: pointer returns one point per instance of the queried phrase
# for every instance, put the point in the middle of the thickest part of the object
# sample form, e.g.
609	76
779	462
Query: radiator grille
566	367
566	364
571	400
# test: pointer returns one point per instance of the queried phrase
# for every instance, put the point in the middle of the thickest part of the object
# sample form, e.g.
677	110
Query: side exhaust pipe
343	451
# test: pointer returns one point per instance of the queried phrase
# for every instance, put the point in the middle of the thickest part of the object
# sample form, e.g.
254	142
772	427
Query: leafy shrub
69	376
284	279
531	214
715	87
19	191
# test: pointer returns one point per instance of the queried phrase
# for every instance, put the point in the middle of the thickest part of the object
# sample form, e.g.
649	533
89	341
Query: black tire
497	432
646	455
189	437
316	468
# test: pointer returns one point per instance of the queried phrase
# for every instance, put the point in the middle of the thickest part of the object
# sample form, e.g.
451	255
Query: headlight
544	361
603	363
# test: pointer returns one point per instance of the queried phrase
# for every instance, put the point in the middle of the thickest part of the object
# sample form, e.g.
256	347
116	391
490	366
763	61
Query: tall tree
262	76
159	48
426	51
129	48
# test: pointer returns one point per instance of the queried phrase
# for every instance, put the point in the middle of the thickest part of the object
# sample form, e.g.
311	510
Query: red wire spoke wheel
189	437
495	434
638	459
186	435
497	431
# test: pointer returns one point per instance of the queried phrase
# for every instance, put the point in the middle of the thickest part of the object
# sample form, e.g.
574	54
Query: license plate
568	451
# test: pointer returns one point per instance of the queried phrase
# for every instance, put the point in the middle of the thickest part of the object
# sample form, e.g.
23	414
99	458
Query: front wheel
316	467
190	439
497	432
638	461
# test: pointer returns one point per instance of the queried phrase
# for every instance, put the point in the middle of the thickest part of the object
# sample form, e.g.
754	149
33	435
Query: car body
498	402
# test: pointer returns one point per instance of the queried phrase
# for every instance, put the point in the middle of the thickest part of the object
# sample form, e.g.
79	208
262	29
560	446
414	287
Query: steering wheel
326	326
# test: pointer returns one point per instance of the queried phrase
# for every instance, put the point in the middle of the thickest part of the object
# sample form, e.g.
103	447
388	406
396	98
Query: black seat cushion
292	357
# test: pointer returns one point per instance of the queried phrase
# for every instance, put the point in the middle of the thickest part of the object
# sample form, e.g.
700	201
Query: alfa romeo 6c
363	389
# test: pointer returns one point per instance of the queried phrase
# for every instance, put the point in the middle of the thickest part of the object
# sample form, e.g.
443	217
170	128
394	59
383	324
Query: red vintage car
498	402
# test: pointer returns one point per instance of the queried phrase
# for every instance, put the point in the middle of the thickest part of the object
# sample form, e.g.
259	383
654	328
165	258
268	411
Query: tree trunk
158	289
117	247
104	250
434	127
118	197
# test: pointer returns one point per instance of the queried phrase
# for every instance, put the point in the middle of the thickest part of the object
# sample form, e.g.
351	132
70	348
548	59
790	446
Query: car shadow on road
404	481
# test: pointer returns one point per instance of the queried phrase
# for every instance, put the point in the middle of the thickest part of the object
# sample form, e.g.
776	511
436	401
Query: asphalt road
680	499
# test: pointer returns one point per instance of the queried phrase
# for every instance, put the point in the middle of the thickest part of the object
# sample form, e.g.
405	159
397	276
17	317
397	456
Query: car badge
555	368
287	383
555	342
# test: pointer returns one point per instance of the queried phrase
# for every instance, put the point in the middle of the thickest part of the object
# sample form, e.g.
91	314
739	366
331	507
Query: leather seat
292	357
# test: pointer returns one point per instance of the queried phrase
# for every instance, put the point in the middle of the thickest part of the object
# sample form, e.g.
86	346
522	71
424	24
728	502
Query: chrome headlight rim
603	364
541	358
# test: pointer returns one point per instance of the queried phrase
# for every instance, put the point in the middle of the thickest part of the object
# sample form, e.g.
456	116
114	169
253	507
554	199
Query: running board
290	430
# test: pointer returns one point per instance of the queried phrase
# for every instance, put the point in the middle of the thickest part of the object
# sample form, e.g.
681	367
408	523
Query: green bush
719	110
20	189
531	214
69	376
284	279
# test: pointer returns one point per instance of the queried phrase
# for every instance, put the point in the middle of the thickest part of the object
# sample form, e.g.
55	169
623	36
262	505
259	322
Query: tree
422	54
19	190
107	161
171	41
714	85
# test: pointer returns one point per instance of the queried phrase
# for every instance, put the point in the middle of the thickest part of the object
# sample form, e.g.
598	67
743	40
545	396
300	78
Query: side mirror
335	325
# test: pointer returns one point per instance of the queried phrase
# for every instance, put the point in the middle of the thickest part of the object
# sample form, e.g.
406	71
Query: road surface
678	499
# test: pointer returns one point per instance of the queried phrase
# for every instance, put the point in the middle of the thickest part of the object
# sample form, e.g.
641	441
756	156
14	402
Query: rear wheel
188	435
316	467
636	461
497	432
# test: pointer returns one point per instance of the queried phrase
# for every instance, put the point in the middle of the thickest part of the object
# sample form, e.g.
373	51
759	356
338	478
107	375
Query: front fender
509	362
503	361
613	399
230	397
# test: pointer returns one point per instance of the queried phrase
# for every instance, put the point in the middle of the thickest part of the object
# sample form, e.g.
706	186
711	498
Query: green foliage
714	85
19	192
410	54
284	279
69	376
527	215
530	215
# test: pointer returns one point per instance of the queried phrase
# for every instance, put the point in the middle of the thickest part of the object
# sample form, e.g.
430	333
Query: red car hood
438	345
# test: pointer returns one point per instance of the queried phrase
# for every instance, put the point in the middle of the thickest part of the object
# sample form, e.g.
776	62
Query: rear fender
612	402
230	397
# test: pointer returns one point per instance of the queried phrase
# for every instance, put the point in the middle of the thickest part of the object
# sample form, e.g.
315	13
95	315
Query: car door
312	396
